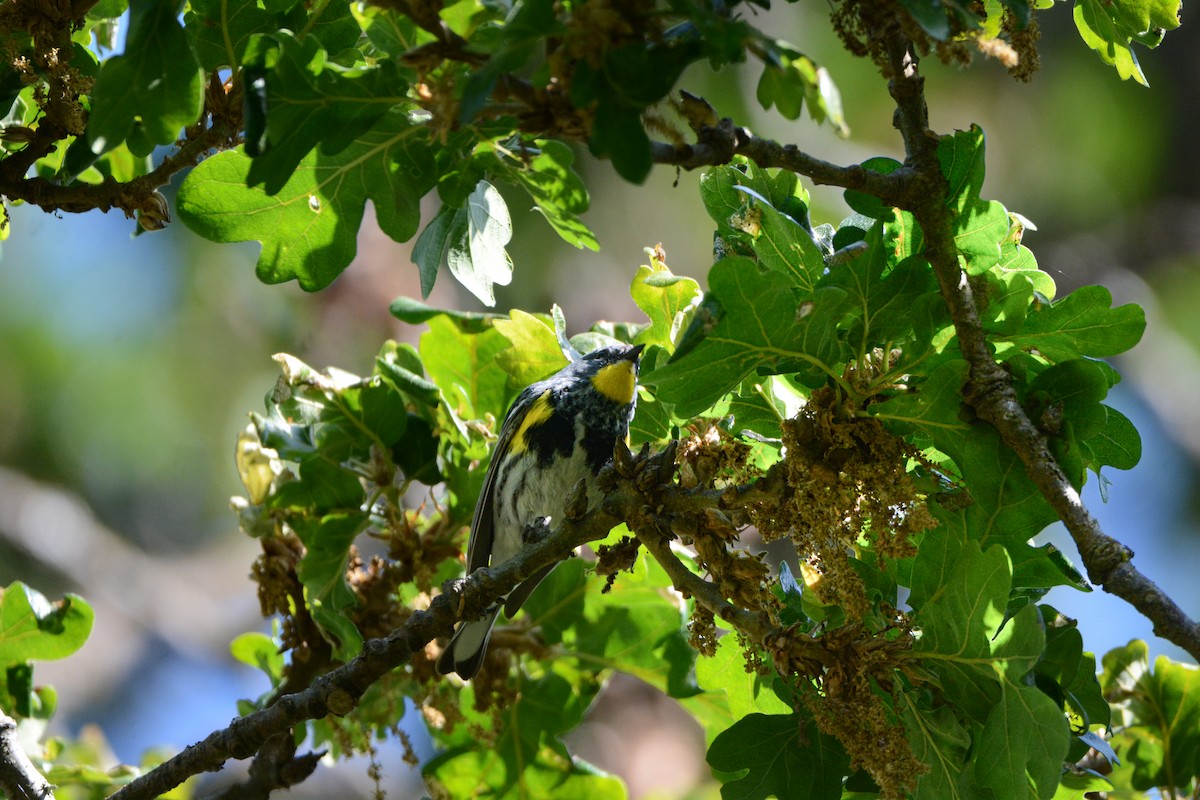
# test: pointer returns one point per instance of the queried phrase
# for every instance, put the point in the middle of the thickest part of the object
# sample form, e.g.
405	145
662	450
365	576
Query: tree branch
137	194
339	691
639	490
718	142
755	625
19	778
989	387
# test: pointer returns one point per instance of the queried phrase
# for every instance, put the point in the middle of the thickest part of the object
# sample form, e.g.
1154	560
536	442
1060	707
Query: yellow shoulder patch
539	411
616	382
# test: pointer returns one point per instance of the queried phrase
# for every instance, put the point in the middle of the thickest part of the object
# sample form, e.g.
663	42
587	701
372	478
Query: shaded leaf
151	91
309	227
779	755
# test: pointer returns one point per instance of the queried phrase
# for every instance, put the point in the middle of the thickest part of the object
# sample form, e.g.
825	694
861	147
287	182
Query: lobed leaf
309	227
778	755
762	329
312	101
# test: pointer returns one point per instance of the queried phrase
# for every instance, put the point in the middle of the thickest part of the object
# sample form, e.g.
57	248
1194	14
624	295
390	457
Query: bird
558	431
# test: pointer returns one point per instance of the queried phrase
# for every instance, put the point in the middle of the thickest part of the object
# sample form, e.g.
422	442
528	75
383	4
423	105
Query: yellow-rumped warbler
558	431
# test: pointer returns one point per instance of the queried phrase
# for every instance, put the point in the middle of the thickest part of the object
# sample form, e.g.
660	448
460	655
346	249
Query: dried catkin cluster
846	488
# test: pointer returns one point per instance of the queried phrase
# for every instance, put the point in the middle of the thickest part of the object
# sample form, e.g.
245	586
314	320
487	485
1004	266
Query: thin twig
755	625
718	145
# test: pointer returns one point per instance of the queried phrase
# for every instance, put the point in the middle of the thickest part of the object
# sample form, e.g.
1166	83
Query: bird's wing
479	548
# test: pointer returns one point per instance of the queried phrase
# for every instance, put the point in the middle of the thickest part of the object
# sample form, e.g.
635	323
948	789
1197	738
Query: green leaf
868	204
153	90
651	422
760	407
1083	323
784	245
1072	671
400	365
312	101
415	312
331	24
881	291
432	248
309	228
390	31
931	16
34	629
932	410
1118	444
1163	743
220	29
742	692
779	755
1042	567
474	774
980	658
518	38
322	486
322	571
938	739
628	627
617	134
666	299
1022	745
476	256
463	365
260	651
1005	301
635	627
558	192
1111	27
535	352
526	759
790	78
981	662
1018	259
980	225
1007	506
761	330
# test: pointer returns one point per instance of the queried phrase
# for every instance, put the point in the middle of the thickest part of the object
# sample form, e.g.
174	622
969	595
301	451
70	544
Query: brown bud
17	134
623	459
697	111
155	213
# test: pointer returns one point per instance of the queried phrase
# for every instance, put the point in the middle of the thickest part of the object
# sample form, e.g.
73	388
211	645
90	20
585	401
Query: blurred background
127	367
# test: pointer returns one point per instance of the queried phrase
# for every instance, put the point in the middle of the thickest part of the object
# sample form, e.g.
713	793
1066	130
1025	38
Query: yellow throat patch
616	382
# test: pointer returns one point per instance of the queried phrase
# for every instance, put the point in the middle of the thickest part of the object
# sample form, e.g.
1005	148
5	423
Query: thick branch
989	388
129	197
218	128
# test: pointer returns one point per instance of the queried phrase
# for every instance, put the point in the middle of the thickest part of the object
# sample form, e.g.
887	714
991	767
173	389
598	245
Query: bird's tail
465	652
